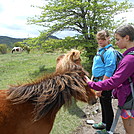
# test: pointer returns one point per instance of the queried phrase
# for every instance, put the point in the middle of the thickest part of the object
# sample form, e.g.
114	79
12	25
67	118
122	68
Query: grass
16	68
20	68
68	120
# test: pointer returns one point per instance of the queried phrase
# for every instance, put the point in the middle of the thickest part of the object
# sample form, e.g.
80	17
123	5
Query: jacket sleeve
123	72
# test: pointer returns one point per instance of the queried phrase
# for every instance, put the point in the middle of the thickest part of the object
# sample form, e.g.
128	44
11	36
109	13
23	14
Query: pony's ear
76	55
73	53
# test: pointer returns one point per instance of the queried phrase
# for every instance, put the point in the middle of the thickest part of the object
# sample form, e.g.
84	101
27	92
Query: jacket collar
128	50
107	46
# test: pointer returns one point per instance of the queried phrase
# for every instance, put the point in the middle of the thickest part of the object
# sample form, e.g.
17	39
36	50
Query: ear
72	56
127	37
73	53
76	53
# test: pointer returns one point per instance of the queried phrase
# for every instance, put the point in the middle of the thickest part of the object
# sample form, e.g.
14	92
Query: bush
3	48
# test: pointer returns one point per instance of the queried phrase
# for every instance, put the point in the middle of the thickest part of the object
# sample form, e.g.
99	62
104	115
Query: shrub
3	48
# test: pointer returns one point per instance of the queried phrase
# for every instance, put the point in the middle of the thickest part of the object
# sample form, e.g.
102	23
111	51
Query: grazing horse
31	108
17	49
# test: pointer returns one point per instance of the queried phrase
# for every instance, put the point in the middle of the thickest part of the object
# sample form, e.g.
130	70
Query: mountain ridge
9	41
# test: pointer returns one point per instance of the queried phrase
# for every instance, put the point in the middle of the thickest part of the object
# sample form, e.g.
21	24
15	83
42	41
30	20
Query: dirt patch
94	113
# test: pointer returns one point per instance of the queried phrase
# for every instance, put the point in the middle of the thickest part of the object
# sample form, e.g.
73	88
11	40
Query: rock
94	113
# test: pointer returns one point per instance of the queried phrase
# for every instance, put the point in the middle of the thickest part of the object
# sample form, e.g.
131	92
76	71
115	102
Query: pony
17	49
31	108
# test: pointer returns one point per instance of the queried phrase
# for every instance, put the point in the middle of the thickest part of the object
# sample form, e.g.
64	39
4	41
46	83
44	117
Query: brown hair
103	34
126	30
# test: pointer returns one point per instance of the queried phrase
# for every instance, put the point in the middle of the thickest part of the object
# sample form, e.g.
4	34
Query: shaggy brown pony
31	108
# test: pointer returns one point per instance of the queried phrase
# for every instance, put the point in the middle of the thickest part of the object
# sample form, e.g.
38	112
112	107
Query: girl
119	81
103	69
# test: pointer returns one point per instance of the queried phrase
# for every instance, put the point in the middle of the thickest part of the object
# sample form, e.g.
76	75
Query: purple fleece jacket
119	81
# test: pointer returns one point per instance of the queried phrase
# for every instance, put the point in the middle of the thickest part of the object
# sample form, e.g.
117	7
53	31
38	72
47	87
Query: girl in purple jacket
124	36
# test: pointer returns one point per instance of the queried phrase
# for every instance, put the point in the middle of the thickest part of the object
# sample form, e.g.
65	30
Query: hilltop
9	41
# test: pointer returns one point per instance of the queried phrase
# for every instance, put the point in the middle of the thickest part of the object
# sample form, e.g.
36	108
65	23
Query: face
103	42
121	42
78	62
92	98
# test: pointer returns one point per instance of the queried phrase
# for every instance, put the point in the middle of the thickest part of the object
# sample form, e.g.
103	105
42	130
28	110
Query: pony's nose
94	101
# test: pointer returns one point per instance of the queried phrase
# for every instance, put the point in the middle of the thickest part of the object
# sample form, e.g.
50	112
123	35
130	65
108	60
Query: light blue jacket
108	67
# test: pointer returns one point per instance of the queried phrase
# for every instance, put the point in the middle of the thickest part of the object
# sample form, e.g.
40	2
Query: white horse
17	49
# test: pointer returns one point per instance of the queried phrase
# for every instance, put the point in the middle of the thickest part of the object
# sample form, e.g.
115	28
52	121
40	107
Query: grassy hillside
20	68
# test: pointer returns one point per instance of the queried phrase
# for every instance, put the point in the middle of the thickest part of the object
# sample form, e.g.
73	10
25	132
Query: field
22	67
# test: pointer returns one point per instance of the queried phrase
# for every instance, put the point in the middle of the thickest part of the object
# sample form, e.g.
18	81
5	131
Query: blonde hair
103	34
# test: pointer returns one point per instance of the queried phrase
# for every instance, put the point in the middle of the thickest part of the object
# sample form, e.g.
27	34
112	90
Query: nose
94	101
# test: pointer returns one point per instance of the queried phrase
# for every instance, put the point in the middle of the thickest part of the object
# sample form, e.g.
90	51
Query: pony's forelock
68	60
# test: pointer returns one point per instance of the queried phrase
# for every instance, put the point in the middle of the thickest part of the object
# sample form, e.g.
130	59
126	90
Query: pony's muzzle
94	101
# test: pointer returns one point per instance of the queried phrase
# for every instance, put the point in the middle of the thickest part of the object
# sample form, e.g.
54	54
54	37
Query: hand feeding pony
31	108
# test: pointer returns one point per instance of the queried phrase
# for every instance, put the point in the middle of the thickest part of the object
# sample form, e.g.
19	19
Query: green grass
16	68
20	68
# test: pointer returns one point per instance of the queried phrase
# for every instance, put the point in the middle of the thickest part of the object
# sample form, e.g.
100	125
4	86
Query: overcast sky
14	14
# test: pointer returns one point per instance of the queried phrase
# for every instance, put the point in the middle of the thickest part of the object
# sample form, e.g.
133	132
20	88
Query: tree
18	44
84	16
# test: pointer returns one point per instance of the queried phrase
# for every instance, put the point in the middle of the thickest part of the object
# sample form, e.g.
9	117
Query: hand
87	79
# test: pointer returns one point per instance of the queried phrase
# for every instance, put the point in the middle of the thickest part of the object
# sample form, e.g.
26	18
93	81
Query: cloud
14	14
63	34
127	16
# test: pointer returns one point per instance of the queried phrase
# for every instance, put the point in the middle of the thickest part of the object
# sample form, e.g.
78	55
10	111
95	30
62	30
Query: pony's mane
51	91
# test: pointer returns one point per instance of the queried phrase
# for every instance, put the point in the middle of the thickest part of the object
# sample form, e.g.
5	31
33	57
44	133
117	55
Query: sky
14	15
13	18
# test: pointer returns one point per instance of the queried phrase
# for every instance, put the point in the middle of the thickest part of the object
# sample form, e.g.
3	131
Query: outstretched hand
87	79
98	93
